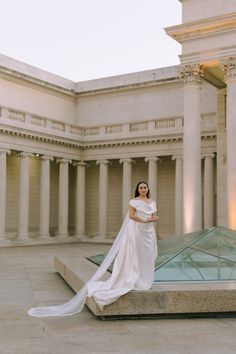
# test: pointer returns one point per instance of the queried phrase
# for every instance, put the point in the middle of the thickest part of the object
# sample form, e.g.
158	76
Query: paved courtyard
27	279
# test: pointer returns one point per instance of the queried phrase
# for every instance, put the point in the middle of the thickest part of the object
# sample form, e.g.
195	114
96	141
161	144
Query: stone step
163	299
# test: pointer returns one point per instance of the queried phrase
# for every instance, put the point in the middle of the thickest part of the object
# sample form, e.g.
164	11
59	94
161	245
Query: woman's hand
152	218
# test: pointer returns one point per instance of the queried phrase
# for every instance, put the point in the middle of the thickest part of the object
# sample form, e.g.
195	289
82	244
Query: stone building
71	153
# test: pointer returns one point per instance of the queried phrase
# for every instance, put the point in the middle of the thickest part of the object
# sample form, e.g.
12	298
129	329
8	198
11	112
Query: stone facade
72	153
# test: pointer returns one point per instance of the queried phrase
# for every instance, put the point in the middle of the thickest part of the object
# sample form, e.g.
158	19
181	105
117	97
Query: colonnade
63	192
192	195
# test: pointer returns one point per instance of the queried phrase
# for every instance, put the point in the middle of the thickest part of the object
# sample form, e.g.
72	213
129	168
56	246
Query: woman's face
143	189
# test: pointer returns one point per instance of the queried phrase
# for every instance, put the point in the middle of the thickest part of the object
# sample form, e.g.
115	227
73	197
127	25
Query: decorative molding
58	141
191	74
203	28
105	144
229	67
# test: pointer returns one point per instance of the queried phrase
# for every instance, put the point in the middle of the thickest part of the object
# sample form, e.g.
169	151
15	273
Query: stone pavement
27	279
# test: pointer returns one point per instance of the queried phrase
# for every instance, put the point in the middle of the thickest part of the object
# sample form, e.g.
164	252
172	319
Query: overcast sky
89	39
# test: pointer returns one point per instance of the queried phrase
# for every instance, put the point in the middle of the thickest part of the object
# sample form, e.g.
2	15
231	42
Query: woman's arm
133	216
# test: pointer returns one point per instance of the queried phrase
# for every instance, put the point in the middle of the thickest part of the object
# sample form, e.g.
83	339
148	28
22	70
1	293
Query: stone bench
164	299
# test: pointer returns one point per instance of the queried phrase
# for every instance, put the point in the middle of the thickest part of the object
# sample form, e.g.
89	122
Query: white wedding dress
134	252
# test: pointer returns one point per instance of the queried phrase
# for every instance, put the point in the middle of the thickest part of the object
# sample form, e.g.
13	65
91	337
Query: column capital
126	160
229	68
177	157
80	163
152	158
46	158
103	162
191	74
25	154
63	161
210	155
5	151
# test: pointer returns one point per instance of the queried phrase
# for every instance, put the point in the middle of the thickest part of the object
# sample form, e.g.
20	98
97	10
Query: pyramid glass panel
193	265
210	257
171	246
207	255
219	242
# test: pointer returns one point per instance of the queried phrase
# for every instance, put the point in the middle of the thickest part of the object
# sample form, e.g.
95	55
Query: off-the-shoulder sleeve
134	203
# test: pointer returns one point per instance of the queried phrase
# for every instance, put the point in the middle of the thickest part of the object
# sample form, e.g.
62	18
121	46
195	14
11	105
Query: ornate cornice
202	28
37	137
91	145
105	144
191	74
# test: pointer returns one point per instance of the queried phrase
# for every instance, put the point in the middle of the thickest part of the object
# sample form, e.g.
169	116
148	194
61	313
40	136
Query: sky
89	39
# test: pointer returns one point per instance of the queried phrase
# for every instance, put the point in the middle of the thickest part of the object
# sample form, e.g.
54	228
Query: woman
134	251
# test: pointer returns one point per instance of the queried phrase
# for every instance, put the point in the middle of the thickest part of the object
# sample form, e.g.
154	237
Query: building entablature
202	28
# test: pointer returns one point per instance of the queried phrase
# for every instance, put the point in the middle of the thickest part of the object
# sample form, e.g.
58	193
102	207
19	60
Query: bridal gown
134	252
134	265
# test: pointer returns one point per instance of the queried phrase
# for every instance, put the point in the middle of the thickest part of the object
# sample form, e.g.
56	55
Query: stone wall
37	101
193	10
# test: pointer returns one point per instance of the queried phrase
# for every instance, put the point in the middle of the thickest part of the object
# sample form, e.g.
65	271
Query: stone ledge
37	241
162	299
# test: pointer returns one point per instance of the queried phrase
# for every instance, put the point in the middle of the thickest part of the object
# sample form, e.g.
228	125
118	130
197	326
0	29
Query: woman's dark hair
136	193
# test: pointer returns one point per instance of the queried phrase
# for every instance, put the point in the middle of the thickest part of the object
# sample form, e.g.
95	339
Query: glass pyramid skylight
201	256
208	255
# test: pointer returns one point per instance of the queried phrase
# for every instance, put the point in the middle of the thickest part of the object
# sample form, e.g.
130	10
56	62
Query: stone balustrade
162	126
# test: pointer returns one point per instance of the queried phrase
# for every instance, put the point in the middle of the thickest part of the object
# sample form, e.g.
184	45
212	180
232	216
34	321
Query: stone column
80	198
152	175
44	215
3	187
192	221
126	184
230	69
23	210
178	194
103	196
63	201
209	190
